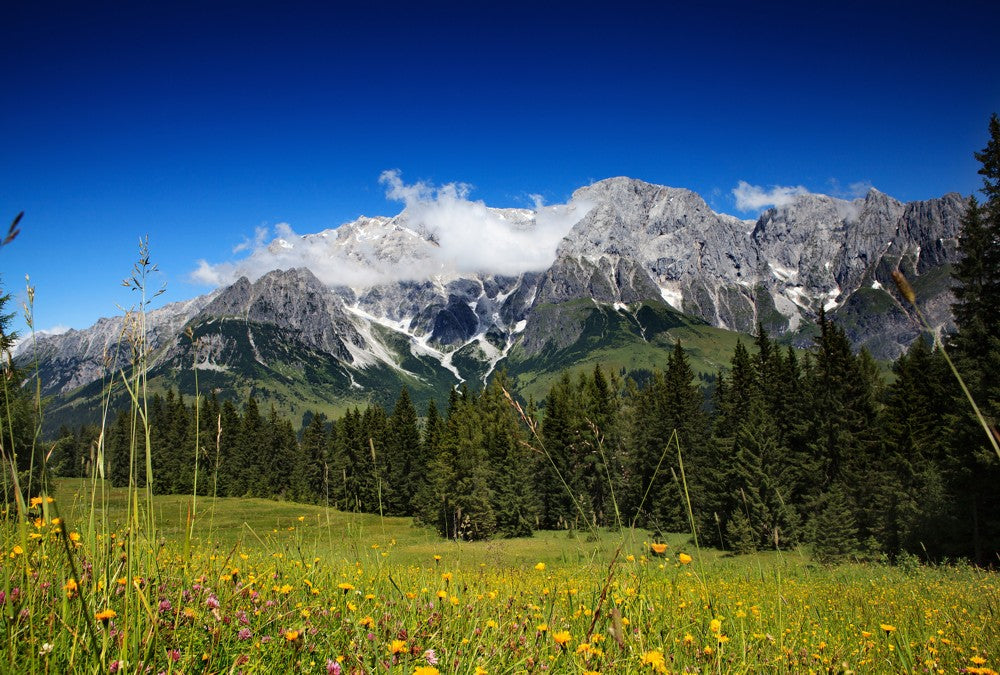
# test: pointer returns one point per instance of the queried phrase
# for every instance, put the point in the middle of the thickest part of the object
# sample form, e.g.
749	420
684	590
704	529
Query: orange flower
292	635
106	615
658	548
685	559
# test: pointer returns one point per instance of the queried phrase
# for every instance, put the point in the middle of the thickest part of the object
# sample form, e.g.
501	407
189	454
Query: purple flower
332	667
244	634
165	606
431	657
175	655
212	602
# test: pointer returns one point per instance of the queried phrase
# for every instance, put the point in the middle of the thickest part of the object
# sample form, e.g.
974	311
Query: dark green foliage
404	457
833	532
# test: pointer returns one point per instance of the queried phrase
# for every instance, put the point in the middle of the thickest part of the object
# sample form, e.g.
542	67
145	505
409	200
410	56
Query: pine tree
513	498
403	455
226	465
974	468
555	475
833	531
913	505
309	483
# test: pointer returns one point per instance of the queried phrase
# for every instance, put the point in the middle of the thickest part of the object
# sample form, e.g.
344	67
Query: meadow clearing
257	586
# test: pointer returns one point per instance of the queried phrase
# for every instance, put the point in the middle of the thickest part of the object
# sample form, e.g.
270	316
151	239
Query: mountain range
643	266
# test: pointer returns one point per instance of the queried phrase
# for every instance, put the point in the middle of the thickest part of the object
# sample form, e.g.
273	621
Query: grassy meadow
257	586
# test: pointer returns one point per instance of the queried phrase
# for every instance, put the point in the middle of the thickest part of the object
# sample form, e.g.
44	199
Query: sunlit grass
282	587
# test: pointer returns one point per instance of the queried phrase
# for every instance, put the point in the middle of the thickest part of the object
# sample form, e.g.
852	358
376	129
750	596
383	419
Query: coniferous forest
784	447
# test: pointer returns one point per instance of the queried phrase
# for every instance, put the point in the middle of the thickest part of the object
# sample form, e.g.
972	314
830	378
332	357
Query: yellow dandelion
562	638
105	615
397	647
887	627
655	660
685	559
428	670
540	567
715	625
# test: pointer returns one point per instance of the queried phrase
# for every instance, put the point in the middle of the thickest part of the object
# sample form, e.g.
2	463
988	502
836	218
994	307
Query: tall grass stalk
907	291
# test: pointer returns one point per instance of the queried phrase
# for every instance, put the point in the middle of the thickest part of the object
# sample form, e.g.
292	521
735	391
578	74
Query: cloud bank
754	197
440	231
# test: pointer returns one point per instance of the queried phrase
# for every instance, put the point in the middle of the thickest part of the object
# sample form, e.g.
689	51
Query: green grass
280	587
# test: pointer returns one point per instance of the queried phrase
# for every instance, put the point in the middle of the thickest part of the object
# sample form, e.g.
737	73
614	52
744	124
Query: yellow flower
17	550
105	615
397	647
562	637
345	587
685	558
540	567
709	651
367	622
428	670
542	627
887	627
35	501
481	671
446	577
658	548
688	638
70	587
655	660
291	635
715	625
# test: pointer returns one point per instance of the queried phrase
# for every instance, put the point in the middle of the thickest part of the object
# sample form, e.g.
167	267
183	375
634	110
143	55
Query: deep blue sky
197	122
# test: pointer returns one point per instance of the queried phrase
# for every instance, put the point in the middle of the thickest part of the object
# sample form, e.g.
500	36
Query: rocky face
637	243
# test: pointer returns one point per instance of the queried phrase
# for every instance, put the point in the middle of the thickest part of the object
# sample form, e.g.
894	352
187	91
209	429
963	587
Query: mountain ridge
633	244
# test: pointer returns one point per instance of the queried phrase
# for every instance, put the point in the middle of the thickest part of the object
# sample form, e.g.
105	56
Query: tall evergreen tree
403	456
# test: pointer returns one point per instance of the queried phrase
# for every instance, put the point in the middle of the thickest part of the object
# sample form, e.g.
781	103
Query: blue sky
197	123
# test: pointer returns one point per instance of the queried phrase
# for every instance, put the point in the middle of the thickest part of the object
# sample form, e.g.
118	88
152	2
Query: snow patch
673	296
786	274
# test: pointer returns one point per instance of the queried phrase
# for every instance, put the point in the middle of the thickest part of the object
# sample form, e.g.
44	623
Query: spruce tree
403	454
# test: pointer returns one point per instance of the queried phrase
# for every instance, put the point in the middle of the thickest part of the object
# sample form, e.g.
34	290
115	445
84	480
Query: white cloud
260	236
754	197
440	230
